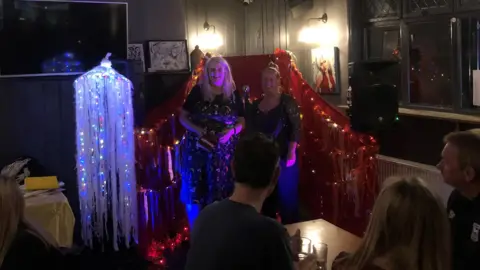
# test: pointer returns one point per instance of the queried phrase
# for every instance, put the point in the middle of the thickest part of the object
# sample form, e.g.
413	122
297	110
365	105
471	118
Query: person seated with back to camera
408	230
23	246
232	234
277	115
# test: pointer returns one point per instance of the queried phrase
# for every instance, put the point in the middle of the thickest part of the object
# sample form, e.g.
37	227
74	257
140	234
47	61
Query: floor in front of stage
126	260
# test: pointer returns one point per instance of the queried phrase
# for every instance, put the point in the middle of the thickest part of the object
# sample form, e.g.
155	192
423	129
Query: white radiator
388	166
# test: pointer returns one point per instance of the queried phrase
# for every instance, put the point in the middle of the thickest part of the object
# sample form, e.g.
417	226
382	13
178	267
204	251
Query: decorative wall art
135	52
326	70
168	56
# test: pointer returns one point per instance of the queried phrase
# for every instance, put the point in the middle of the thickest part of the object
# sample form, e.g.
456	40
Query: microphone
246	97
246	92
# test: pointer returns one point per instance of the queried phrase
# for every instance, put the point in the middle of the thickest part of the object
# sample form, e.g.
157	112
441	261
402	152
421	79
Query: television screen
60	38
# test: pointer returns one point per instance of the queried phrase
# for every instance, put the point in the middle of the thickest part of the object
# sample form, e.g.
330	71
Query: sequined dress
206	176
282	123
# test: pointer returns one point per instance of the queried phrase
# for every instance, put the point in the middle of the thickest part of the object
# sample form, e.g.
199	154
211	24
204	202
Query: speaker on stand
373	96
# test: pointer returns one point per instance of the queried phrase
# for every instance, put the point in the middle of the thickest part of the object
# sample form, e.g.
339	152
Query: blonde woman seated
408	230
22	246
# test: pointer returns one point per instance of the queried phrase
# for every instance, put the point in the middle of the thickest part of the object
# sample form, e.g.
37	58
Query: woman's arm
292	146
187	124
240	107
192	99
294	122
239	125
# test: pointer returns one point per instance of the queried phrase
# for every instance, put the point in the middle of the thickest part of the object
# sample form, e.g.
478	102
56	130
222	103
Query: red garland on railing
162	216
338	166
338	177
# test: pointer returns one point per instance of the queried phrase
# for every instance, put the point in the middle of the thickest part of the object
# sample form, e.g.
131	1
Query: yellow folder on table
44	182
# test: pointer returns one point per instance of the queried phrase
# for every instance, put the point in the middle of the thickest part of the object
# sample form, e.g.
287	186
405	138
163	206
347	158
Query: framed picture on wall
326	70
135	53
168	56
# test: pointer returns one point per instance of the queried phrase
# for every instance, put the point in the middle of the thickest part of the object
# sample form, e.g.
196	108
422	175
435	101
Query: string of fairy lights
352	154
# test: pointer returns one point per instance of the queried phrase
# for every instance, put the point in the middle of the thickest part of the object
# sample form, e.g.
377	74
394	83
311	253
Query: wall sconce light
207	26
323	19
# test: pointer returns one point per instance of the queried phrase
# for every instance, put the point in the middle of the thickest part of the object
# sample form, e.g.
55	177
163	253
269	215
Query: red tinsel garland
338	175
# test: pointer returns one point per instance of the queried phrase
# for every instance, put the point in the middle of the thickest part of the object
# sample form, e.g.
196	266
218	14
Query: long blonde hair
12	205
408	228
228	85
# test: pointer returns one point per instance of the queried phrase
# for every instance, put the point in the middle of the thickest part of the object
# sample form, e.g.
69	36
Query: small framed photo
135	53
326	70
168	56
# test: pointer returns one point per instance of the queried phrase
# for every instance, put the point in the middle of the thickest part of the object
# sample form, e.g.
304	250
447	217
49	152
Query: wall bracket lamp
207	26
323	19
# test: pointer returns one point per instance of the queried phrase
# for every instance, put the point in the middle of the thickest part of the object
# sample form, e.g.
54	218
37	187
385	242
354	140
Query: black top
464	215
28	252
231	235
281	122
234	104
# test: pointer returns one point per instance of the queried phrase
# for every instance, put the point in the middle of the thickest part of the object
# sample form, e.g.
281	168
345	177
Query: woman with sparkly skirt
213	115
276	114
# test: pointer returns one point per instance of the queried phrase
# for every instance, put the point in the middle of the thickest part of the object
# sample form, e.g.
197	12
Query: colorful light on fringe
351	155
156	249
105	155
327	141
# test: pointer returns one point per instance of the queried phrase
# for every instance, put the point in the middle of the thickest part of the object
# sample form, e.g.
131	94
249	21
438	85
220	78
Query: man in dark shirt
460	167
231	234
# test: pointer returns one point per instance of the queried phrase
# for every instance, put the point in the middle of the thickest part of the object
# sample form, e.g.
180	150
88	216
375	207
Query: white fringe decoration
105	156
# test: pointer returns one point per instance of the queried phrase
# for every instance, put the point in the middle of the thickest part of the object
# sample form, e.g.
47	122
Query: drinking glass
306	246
321	252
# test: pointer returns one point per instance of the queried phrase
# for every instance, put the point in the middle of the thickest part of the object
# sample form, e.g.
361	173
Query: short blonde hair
409	228
228	85
274	68
468	145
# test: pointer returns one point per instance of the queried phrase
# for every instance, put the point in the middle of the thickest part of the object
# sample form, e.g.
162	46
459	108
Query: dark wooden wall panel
38	120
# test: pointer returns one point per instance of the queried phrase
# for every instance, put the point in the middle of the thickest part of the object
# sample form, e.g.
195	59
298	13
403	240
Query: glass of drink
321	252
306	247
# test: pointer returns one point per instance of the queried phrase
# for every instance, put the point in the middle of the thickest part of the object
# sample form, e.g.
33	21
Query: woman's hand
225	136
291	158
309	263
296	242
199	131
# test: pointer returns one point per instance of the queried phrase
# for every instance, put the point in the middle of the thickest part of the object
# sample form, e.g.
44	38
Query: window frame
469	7
427	12
455	52
459	17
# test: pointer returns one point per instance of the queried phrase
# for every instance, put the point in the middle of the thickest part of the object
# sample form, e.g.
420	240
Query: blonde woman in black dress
277	115
213	115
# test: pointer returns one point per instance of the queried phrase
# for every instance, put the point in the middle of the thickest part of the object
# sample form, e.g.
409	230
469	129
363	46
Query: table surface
46	198
52	212
321	231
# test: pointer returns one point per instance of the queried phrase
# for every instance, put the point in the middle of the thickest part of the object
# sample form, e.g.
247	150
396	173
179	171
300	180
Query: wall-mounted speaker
374	95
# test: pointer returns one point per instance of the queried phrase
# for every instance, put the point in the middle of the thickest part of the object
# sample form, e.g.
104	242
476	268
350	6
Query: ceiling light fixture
323	19
207	26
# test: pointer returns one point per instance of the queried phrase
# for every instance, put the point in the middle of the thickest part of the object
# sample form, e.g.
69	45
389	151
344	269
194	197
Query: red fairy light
331	153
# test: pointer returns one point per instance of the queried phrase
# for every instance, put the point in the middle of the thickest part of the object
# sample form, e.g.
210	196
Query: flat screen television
46	38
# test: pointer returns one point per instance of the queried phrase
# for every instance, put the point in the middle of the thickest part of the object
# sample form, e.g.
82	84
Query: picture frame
136	53
168	56
326	70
